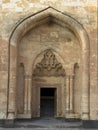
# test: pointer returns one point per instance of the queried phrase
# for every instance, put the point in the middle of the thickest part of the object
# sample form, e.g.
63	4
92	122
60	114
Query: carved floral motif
49	66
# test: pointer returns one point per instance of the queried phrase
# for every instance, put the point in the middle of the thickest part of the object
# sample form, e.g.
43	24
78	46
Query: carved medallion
49	66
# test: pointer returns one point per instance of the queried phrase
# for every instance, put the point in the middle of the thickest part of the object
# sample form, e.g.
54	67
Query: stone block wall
3	77
84	11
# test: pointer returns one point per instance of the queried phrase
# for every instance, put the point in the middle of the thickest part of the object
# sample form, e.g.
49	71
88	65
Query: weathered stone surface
45	36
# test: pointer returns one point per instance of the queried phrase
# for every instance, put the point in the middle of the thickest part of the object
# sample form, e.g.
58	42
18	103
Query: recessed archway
44	16
48	86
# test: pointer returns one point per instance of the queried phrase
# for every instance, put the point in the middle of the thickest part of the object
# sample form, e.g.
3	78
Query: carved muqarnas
49	66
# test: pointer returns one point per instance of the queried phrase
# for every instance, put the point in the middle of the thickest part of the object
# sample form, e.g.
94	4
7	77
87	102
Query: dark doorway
47	102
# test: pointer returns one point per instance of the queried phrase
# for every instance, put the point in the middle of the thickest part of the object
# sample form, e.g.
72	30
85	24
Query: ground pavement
46	124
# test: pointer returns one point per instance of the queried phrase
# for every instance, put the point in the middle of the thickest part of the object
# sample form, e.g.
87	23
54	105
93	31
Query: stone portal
39	59
48	86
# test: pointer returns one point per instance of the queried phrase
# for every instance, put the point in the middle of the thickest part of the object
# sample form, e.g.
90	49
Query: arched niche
41	17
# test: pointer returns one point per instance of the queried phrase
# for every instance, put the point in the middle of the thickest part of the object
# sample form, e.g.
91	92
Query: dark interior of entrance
47	102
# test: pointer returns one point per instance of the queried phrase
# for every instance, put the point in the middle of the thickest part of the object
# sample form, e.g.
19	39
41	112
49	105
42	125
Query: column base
9	122
24	116
85	116
11	116
72	116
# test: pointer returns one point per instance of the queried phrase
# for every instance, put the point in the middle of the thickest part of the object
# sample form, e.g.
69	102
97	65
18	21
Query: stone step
46	123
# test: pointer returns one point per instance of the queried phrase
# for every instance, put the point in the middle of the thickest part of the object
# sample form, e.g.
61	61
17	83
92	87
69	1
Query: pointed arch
41	17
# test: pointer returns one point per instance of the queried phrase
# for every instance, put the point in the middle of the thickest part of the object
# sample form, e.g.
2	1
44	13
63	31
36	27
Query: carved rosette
49	66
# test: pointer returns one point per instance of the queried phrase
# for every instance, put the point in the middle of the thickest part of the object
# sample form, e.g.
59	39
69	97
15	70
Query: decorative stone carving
49	66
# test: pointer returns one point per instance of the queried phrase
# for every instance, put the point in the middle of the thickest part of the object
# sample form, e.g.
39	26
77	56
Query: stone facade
46	44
